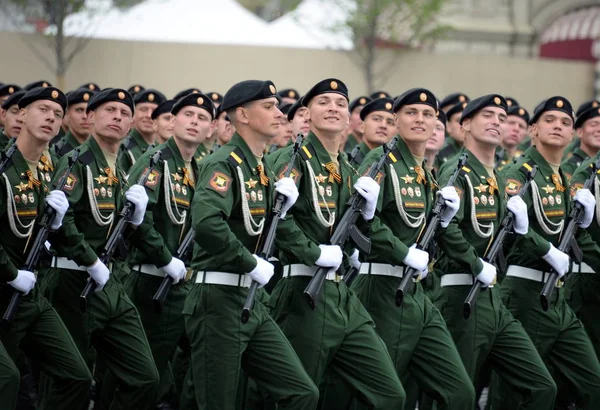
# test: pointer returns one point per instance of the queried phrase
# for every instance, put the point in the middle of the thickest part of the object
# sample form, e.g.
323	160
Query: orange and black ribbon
112	179
420	175
334	175
187	180
557	184
264	179
493	185
31	181
46	163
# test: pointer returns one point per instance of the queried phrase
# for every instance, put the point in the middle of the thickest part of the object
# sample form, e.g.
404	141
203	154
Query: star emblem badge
101	179
549	189
251	183
408	179
176	176
320	178
21	187
482	188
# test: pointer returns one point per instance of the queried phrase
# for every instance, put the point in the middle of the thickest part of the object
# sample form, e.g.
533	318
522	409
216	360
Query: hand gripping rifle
266	247
568	243
33	258
183	254
347	230
117	235
427	237
495	251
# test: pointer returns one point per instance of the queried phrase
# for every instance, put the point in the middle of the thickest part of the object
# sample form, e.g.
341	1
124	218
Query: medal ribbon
557	184
493	185
31	181
420	175
46	163
333	173
186	178
112	179
264	179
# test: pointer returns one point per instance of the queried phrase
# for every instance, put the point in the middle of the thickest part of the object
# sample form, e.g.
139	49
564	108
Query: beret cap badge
136	88
388	106
11	90
521	111
151	97
461	98
215	96
292	94
54	94
86	97
497	100
423	97
333	85
200	100
121	95
272	88
595	104
559	103
363	100
44	84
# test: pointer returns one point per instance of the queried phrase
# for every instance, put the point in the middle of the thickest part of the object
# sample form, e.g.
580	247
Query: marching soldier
415	334
223	128
79	125
338	336
354	135
163	121
143	135
456	138
284	135
36	329
574	144
435	144
516	130
559	336
10	115
297	116
491	334
94	189
587	126
233	196
6	90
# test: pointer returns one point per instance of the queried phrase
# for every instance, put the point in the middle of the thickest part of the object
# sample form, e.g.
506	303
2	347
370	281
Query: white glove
558	260
368	189
24	282
138	196
586	199
452	201
417	259
487	274
287	187
263	271
354	259
58	201
518	207
175	269
99	273
331	256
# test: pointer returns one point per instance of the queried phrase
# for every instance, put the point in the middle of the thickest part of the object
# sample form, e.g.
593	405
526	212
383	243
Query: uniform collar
97	151
239	142
139	140
363	148
543	165
322	153
477	166
71	140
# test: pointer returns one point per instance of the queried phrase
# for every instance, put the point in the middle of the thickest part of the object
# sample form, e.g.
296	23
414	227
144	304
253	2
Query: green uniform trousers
39	333
221	346
113	327
561	341
9	380
583	295
492	334
339	338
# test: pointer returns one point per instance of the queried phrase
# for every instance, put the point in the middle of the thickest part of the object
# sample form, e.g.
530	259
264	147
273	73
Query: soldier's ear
361	127
241	115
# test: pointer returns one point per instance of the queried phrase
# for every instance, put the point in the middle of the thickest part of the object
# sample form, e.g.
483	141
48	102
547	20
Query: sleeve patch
70	182
295	174
220	182
575	187
153	179
513	186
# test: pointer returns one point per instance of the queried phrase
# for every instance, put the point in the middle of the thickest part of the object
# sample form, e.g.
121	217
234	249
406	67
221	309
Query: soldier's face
42	119
111	121
142	119
12	121
164	126
454	129
516	129
589	133
223	129
77	119
553	128
329	113
436	141
415	122
285	133
263	116
300	123
378	128
355	121
193	124
487	125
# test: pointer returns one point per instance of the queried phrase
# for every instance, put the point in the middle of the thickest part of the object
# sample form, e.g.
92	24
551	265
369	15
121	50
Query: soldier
338	336
434	144
575	142
288	95
10	116
415	334
36	329
216	98
79	125
223	128
284	135
353	133
134	89
559	336
516	131
233	194
143	135
456	138
377	128
491	334
6	90
163	121
297	116
587	126
94	189
452	100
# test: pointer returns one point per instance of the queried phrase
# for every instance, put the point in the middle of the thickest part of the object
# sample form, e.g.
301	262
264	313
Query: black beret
476	105
359	102
442	117
109	95
8	89
456	109
195	100
247	91
216	97
37	84
380	94
511	102
329	85
584	107
41	93
556	103
454	99
163	108
185	92
13	99
586	115
136	88
91	86
285	108
292	112
415	96
81	95
149	95
380	104
519	112
289	93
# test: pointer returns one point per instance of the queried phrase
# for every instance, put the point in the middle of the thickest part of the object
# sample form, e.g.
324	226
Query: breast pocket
257	201
485	206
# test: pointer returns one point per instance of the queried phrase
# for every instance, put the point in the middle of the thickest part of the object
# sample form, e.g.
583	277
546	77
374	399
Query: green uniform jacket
576	143
471	231
351	142
448	166
398	223
4	140
95	197
547	211
201	153
131	149
579	177
570	165
362	151
449	150
322	201
272	157
67	144
170	191
226	207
